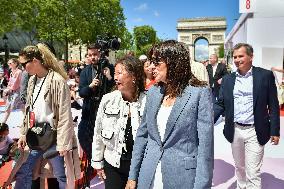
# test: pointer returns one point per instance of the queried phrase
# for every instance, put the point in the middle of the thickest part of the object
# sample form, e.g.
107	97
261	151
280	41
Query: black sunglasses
156	61
25	63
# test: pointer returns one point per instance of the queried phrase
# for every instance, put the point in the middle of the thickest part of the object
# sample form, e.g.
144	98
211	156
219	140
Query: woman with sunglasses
12	92
174	143
48	101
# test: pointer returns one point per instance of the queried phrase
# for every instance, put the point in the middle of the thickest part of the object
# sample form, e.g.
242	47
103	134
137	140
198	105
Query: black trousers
116	178
85	136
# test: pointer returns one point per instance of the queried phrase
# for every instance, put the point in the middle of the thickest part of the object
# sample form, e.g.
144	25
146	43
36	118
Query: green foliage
221	51
145	37
7	15
127	41
75	21
144	50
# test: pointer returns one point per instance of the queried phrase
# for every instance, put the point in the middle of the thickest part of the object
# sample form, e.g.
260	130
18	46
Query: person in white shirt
117	121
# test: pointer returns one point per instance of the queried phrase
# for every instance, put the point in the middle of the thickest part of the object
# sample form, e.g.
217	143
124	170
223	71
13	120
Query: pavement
224	176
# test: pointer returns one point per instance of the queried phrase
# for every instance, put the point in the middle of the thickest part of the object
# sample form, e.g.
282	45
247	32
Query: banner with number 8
247	6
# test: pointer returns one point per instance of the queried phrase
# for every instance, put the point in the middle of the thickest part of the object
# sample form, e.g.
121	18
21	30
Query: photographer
95	81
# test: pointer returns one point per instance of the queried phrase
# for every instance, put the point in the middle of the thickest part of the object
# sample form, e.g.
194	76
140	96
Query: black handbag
41	136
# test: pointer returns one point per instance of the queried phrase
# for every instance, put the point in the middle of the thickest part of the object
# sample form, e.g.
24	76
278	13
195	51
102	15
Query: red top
147	86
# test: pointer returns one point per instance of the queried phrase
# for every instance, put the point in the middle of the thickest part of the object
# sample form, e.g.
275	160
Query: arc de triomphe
211	29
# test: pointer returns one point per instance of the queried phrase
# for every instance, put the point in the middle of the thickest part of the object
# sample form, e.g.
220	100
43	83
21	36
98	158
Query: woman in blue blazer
174	143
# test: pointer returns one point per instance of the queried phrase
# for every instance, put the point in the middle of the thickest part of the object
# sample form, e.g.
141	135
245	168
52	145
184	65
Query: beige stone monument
212	29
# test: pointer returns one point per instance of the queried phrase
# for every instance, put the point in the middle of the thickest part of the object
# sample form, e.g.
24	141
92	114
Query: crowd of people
147	122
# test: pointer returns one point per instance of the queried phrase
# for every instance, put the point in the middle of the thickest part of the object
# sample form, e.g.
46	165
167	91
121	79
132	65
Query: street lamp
5	40
80	51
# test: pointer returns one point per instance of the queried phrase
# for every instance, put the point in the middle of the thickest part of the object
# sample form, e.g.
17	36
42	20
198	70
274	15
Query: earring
133	81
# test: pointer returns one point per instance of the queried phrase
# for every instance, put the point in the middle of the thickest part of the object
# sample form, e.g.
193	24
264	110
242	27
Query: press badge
32	119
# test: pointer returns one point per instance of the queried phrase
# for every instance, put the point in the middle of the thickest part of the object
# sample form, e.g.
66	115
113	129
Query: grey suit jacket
186	154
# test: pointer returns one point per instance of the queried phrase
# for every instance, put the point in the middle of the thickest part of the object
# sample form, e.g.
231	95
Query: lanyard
38	91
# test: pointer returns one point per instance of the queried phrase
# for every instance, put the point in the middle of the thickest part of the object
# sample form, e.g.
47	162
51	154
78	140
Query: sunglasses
156	61
25	63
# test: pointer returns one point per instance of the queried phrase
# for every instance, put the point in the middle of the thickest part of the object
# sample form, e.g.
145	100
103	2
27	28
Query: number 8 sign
247	6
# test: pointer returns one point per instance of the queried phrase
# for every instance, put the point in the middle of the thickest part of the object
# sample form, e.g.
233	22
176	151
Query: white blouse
162	119
41	108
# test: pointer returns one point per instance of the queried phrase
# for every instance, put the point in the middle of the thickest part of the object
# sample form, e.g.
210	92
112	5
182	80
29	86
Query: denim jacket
110	126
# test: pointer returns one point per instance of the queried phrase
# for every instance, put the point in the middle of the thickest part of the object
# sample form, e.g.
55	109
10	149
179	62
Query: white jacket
110	126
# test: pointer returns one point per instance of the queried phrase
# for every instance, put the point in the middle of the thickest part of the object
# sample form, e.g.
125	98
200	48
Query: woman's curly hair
177	58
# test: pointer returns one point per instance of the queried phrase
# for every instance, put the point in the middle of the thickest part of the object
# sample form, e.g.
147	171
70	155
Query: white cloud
141	7
201	52
138	20
156	13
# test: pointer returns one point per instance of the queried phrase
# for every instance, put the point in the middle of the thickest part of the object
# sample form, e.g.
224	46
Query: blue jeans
24	174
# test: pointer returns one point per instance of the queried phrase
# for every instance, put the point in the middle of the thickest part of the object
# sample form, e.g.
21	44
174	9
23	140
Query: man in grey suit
173	148
248	98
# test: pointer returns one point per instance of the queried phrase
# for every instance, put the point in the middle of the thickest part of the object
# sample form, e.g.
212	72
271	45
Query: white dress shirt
243	98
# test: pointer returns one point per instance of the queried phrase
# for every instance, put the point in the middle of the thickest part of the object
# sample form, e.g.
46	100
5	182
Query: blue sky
162	15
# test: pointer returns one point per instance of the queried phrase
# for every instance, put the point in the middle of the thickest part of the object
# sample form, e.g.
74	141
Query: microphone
49	154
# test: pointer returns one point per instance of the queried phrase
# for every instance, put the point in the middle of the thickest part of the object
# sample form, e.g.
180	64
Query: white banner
247	6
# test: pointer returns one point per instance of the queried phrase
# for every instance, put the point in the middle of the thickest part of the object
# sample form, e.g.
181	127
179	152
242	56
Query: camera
104	44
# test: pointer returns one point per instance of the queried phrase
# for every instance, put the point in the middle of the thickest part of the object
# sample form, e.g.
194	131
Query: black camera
104	44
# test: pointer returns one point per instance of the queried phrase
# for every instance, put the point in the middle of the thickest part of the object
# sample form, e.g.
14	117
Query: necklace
167	97
168	101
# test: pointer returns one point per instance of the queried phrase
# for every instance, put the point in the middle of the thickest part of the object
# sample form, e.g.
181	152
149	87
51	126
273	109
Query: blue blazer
265	105
186	153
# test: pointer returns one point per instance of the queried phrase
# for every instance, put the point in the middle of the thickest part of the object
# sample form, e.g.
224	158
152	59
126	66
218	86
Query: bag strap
34	100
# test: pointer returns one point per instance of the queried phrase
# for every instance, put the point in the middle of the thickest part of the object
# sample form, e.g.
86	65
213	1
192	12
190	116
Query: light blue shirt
243	98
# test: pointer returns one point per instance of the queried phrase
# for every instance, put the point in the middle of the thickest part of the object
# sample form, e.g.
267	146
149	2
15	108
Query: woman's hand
101	174
6	92
131	184
62	153
22	142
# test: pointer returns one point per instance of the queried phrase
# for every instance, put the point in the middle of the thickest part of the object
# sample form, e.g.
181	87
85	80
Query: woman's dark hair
135	67
3	127
177	58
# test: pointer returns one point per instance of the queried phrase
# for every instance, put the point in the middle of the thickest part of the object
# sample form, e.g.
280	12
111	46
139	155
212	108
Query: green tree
127	41
66	21
221	51
145	37
6	15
